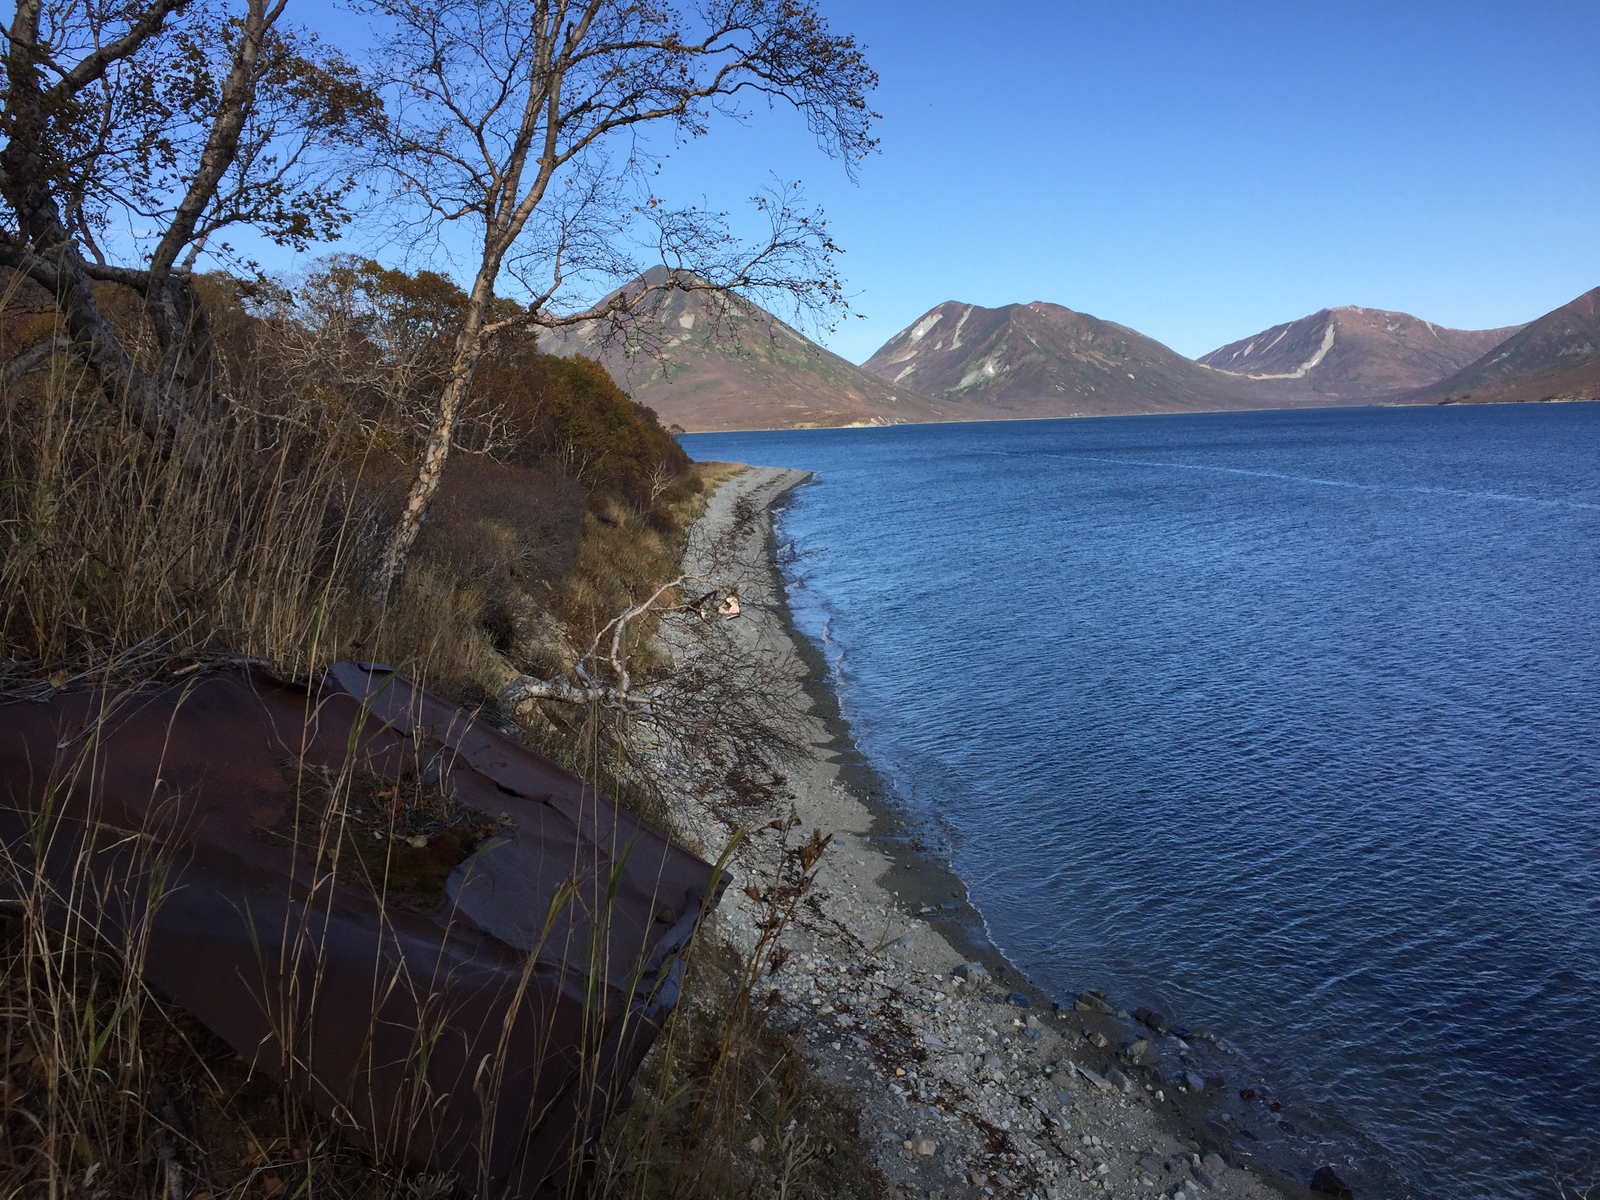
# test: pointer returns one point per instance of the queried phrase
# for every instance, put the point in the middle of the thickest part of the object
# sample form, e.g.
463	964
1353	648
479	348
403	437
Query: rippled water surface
1285	723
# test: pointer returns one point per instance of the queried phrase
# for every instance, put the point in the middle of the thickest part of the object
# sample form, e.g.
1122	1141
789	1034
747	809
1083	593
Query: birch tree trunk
436	450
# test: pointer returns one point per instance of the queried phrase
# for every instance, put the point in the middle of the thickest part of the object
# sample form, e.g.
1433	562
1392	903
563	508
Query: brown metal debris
441	940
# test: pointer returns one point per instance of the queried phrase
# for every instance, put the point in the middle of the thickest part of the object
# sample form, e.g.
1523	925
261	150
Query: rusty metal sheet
486	1030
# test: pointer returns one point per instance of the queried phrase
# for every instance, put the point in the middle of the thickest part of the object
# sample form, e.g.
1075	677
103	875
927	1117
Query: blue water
1285	723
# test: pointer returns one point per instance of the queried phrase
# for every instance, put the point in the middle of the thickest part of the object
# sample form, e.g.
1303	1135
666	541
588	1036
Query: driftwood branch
620	691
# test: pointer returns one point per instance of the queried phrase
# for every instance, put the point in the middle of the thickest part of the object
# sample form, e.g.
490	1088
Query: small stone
757	1144
971	972
417	843
1150	1167
1119	1081
1063	1098
1213	1163
1093	1002
1327	1182
926	1147
930	1040
1207	1178
1099	1040
1019	1000
1193	1082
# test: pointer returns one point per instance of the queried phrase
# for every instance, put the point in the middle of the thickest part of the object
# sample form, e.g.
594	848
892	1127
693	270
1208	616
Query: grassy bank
122	566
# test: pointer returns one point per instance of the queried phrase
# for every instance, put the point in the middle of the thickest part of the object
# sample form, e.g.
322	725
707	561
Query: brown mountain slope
1354	354
704	365
1556	357
1043	360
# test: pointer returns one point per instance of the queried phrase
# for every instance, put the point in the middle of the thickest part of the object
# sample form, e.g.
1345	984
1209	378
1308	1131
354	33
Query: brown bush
570	413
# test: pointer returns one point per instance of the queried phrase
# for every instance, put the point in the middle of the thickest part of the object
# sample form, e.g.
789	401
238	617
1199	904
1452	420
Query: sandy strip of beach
968	1082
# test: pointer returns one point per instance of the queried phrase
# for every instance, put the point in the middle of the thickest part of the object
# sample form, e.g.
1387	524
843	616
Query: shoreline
964	1088
1183	412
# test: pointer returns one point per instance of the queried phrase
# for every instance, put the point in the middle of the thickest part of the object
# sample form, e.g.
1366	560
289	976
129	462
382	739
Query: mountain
706	363
1353	354
1556	357
1043	360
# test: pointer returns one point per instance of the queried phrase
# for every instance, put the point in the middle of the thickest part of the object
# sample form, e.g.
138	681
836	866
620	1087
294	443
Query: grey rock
1213	1163
1019	1000
1141	1053
1064	1098
1150	1167
1193	1082
1099	1040
1099	1081
1119	1081
1093	1002
1151	1019
1207	1178
972	972
1327	1181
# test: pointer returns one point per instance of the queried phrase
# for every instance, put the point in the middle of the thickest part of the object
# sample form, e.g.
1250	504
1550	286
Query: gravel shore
968	1082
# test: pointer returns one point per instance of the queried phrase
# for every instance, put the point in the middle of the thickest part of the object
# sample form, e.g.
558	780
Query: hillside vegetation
121	565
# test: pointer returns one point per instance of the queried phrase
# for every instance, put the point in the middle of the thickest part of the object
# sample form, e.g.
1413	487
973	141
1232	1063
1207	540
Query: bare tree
153	128
523	119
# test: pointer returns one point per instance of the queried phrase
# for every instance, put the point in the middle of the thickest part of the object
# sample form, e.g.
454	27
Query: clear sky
1202	169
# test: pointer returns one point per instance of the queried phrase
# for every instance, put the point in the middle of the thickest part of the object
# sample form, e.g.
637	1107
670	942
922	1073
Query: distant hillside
1043	360
1556	357
1353	354
706	364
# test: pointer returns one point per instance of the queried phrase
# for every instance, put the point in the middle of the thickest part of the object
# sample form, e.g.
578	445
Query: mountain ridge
1354	352
1556	357
709	362
1046	360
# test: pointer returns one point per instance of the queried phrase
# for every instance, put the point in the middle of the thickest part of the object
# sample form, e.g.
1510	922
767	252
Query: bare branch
35	358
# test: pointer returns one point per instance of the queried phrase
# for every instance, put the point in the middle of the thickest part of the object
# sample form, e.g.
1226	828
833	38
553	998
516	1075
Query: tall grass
118	552
122	563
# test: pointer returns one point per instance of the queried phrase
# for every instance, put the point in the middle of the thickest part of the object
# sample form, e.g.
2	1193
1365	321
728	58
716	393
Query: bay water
1286	724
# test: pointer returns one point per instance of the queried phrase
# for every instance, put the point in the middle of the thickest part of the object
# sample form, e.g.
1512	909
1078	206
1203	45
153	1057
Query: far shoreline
1197	412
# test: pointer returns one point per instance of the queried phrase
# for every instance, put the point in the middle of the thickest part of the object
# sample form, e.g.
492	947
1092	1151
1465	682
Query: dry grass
119	563
115	551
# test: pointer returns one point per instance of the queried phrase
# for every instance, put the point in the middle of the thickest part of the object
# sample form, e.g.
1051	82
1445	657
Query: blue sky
1202	170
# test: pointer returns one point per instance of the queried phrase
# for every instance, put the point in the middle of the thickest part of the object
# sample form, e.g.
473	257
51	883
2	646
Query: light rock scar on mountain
1355	353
